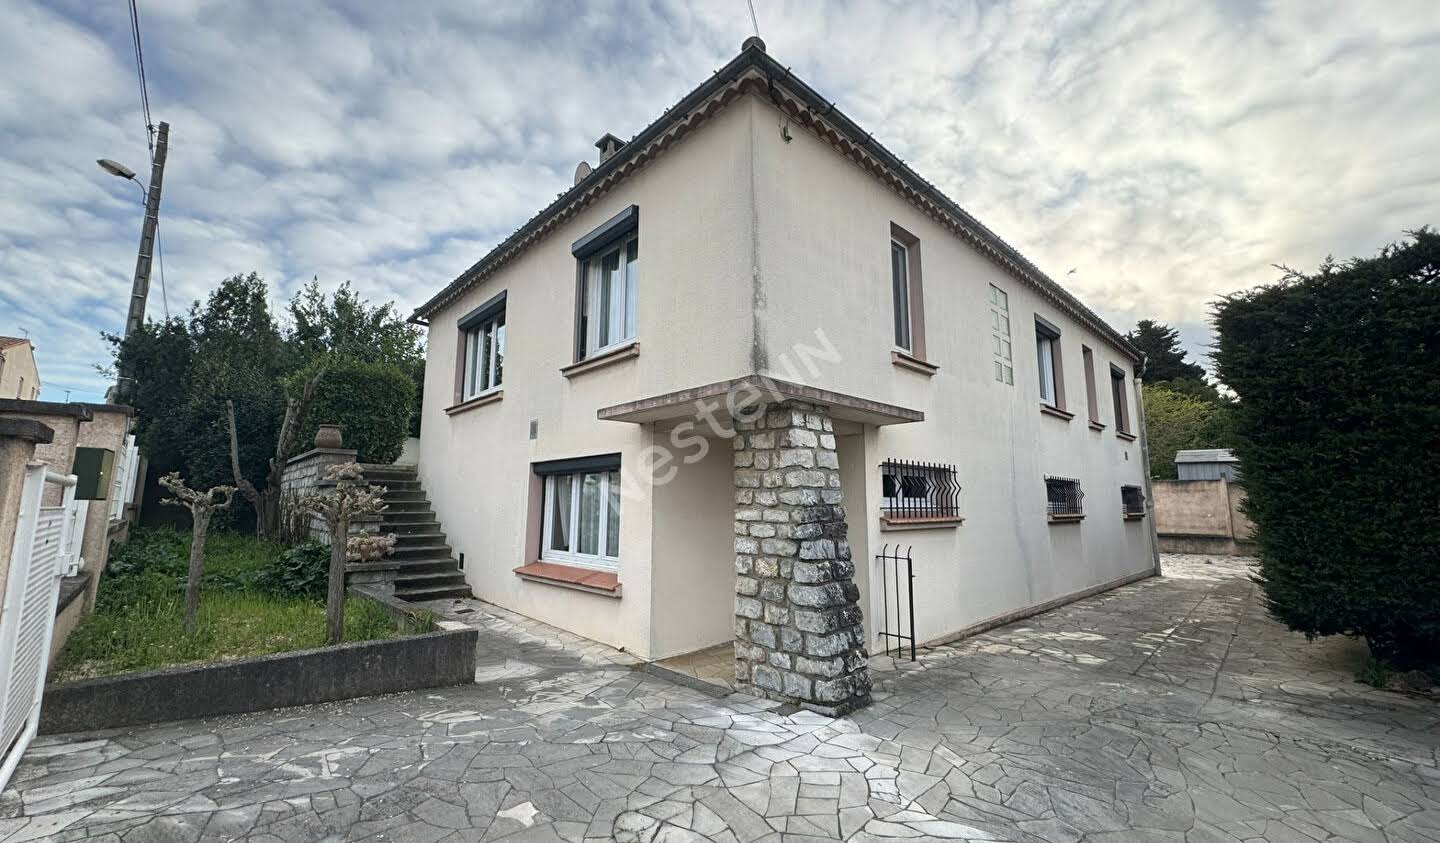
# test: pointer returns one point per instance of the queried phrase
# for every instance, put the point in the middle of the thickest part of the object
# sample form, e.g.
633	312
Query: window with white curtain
1045	352
900	288
582	519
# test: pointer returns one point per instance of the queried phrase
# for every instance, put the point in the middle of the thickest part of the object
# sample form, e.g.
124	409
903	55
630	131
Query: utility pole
140	290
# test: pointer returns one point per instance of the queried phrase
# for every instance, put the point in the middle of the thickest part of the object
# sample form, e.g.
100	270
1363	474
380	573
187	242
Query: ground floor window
582	519
1063	498
919	490
1132	501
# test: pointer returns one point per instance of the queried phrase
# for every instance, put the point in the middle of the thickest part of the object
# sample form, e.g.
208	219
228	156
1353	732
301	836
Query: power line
140	75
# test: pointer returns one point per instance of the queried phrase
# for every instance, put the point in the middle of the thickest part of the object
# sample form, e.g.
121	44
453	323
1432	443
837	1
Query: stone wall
304	473
798	633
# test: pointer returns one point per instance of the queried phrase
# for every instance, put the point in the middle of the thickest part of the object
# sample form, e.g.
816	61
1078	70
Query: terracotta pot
328	436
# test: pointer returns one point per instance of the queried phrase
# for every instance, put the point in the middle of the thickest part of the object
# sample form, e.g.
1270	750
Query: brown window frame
1047	334
914	291
1092	399
1120	404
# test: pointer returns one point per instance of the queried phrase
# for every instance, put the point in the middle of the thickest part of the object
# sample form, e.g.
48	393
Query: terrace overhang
724	400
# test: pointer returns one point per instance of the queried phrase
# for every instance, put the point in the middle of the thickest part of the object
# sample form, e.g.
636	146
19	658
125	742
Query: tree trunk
335	600
197	568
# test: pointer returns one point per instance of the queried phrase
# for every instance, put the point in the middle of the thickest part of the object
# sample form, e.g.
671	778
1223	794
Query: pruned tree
339	504
370	547
267	502
202	505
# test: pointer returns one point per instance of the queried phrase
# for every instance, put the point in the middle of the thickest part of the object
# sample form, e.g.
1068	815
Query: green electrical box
92	472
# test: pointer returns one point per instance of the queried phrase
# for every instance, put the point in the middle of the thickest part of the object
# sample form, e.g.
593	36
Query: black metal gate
897	585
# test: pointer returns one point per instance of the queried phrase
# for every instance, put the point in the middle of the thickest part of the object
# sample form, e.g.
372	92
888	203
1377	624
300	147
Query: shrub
301	571
1338	434
372	403
1176	421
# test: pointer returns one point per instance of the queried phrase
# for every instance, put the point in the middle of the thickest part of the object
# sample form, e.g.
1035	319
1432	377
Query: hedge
372	403
1338	435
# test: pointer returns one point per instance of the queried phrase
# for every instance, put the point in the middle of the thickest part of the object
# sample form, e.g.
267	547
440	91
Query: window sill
1058	413
478	401
1066	519
905	360
1095	425
600	361
1128	437
589	580
1134	516
889	524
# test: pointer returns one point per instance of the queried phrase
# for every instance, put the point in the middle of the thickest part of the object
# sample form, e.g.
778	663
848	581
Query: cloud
1168	152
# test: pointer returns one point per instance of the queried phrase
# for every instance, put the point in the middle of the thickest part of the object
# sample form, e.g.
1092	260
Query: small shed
1207	464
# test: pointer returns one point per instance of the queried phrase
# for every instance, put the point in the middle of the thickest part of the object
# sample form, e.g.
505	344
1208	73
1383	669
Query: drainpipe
1145	460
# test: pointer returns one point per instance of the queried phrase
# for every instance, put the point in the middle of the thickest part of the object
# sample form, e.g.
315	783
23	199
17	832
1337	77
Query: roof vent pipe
608	146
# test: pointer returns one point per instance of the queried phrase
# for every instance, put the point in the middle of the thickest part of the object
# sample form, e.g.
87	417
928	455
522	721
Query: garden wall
1202	516
346	671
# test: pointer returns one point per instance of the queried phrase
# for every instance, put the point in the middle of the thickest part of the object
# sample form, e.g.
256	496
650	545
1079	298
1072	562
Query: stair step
420	551
427	539
412	567
430	579
442	593
405	495
407	506
396	485
377	470
410	528
408	514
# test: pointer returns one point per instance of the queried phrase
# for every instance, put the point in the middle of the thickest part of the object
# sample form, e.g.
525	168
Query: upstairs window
1132	501
1117	396
900	288
581	520
1000	336
480	352
1092	399
1063	499
1052	375
916	491
607	285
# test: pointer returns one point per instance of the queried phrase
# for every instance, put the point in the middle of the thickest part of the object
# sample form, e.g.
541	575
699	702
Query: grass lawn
138	620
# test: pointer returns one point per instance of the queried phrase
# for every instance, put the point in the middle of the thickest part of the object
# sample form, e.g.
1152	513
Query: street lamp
115	168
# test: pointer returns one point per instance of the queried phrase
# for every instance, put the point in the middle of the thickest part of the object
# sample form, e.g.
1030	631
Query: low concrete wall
361	669
1202	516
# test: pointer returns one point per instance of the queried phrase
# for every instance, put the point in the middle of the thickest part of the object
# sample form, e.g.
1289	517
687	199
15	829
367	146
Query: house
694	399
92	441
19	378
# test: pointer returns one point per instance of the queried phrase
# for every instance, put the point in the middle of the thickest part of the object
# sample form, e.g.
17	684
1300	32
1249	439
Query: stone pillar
798	635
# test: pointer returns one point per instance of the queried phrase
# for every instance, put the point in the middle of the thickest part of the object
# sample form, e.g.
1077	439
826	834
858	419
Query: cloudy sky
1168	152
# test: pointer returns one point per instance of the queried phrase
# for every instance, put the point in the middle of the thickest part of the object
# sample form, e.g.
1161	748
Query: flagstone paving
1172	709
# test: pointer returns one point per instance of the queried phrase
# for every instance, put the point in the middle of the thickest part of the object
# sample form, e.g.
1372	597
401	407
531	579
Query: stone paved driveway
1168	710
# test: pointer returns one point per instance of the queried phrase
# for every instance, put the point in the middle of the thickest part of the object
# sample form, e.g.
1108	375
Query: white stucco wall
693	327
19	377
823	248
748	244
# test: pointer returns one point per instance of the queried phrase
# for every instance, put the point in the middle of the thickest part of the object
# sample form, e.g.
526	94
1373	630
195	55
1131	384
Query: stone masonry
798	633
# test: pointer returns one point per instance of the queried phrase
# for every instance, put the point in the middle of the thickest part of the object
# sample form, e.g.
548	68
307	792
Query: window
900	288
1092	401
919	491
1063	499
480	351
1117	395
607	284
1132	501
1047	353
1000	336
907	294
484	356
581	523
611	281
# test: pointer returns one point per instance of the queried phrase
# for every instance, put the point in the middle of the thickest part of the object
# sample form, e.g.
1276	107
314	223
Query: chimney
608	146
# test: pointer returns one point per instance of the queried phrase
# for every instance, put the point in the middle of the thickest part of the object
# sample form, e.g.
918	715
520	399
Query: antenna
753	22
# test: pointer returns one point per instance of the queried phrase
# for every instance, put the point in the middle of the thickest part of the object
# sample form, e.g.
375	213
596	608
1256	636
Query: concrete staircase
427	570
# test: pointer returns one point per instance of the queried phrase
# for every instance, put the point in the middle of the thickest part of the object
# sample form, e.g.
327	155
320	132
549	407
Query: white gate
47	542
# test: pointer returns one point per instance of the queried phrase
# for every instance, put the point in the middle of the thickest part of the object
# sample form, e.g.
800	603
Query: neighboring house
18	376
86	436
753	247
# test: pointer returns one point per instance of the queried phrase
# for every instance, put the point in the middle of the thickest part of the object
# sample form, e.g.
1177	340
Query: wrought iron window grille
919	491
1063	497
1132	500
